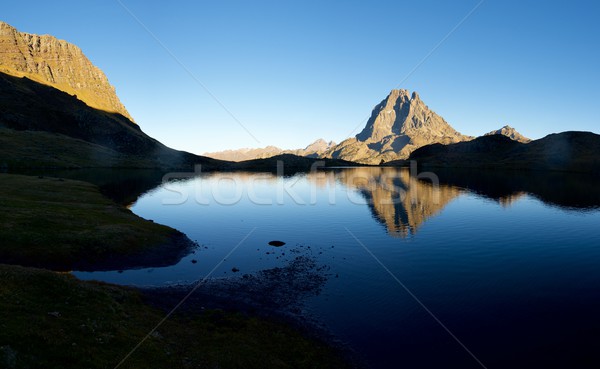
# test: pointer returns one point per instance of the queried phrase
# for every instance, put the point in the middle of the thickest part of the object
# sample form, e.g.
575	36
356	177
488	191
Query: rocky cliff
43	123
398	125
59	64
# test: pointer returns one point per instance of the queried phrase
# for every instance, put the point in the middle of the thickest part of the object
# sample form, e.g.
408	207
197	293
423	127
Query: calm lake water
499	269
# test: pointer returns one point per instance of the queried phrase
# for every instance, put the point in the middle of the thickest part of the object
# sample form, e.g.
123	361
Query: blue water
421	276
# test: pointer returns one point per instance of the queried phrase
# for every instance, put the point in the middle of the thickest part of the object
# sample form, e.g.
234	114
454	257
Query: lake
459	269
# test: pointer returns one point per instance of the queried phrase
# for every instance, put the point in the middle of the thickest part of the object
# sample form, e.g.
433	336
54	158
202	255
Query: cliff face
398	125
43	124
401	113
59	64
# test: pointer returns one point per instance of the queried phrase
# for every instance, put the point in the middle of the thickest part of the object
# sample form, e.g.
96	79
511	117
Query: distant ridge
313	150
566	151
58	64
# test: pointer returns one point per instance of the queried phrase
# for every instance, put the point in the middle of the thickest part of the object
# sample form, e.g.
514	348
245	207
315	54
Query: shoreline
275	294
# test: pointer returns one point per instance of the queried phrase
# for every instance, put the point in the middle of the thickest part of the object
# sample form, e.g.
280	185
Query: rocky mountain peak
319	146
59	64
509	132
398	125
403	113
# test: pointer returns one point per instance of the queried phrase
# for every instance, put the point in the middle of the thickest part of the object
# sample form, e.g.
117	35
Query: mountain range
314	150
399	124
59	110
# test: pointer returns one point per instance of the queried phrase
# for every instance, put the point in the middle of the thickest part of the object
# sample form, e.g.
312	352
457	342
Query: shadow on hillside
105	139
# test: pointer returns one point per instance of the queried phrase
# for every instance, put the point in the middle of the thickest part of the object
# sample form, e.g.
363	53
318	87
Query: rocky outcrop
511	133
398	125
59	64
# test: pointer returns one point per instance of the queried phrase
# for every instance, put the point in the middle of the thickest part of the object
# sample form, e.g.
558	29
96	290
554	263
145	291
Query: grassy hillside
64	224
52	320
39	149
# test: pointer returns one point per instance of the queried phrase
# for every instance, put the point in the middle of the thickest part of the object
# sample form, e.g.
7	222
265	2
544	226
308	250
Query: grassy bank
52	320
64	224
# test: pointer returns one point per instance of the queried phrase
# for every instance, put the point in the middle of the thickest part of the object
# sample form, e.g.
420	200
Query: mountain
245	153
567	151
41	126
398	125
42	122
58	64
511	133
315	150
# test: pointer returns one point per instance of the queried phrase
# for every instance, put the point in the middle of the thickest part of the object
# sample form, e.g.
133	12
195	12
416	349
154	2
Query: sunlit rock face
59	64
511	133
398	125
398	200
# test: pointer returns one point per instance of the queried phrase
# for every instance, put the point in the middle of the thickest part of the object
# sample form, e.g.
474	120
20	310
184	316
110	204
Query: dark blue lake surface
499	269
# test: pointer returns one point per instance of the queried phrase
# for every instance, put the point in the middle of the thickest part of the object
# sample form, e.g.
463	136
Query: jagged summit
511	133
403	113
398	125
59	64
319	146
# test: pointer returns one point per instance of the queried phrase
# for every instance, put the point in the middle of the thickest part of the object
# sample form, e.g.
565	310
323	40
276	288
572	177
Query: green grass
64	223
38	149
51	320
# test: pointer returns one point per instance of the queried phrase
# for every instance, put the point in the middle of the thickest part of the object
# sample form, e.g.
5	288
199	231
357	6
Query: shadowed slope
110	139
567	151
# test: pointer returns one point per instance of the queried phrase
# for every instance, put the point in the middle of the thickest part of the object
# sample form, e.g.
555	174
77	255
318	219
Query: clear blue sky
294	71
